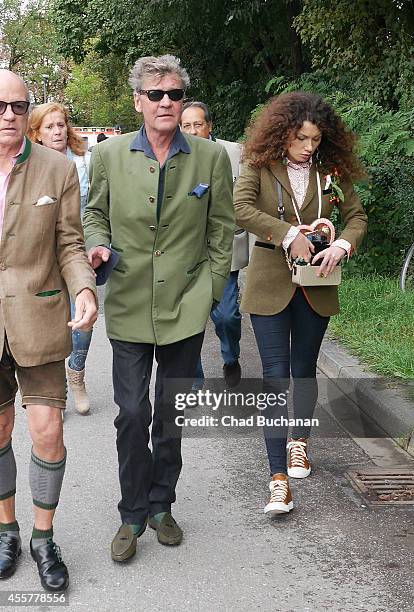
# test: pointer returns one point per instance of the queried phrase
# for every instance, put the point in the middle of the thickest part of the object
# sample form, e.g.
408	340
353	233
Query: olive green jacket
170	269
269	286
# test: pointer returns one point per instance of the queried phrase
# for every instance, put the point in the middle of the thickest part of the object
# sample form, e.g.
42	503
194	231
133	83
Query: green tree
357	54
229	48
369	41
98	93
28	45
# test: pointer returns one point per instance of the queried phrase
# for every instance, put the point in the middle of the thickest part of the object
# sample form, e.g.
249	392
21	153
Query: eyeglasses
19	108
156	95
197	126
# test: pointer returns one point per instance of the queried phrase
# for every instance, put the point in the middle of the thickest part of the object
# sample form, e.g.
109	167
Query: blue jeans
289	343
227	322
80	346
83	203
80	339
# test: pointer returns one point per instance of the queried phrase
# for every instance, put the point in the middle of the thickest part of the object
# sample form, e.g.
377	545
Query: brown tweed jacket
42	256
269	287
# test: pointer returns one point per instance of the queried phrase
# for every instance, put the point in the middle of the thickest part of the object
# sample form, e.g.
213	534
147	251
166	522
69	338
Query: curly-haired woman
49	125
294	147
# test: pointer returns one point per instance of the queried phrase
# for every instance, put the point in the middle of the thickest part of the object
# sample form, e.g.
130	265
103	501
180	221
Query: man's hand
86	311
97	255
330	258
301	247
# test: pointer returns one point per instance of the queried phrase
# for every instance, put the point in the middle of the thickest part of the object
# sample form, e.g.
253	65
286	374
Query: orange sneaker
280	500
298	462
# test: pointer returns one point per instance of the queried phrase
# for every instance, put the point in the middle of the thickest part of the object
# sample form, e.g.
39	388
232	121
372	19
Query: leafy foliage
371	41
90	93
28	45
358	55
229	48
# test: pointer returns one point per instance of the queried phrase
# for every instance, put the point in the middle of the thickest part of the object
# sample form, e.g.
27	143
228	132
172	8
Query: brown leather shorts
43	384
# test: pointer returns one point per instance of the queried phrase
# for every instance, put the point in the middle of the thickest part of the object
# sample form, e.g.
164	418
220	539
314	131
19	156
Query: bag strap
281	212
280	207
289	262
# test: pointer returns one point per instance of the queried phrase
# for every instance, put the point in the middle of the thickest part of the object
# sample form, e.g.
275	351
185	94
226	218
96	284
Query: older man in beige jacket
42	260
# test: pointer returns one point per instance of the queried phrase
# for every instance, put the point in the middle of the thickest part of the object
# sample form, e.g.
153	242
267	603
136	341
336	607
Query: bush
388	200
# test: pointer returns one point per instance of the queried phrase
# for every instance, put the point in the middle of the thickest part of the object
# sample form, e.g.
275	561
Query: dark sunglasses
156	95
19	108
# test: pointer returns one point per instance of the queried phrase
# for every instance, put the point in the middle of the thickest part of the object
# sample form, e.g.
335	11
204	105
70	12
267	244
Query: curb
387	402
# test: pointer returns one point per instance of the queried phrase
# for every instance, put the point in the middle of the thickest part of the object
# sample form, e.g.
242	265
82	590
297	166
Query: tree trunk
266	61
293	8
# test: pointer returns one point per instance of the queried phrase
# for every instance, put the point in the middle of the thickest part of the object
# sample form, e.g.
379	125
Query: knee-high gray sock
46	481
7	472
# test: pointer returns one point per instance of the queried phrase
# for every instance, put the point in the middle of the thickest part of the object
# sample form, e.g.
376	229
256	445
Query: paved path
330	553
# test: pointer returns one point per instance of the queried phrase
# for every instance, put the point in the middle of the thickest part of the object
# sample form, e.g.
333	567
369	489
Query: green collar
26	151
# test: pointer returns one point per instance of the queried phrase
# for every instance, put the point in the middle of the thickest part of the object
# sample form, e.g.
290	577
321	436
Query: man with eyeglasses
163	201
42	260
196	120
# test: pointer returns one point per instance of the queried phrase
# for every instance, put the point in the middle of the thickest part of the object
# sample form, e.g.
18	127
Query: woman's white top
299	180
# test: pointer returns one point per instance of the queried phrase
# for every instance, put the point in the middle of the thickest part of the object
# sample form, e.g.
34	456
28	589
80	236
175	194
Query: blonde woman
49	125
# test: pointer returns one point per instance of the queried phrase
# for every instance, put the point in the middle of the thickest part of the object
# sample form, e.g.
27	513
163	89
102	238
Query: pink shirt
4	182
299	179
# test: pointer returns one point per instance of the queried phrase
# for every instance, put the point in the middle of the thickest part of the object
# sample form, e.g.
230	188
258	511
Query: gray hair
157	67
204	108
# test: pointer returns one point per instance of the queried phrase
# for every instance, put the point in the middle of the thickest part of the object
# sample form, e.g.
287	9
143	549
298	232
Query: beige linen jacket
42	256
269	286
240	257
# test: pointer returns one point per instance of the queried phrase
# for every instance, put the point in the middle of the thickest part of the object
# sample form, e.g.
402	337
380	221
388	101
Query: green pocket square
48	293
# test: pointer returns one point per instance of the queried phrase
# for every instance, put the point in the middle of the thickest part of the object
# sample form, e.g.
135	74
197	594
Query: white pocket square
328	182
45	200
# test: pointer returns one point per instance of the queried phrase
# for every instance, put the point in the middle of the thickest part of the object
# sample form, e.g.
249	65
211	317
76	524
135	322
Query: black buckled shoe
10	550
52	571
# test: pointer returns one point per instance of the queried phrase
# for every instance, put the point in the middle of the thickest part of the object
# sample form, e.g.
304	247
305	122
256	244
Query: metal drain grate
381	486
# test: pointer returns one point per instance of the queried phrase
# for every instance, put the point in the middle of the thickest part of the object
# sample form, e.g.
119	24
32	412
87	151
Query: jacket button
152	228
151	199
152	169
157	253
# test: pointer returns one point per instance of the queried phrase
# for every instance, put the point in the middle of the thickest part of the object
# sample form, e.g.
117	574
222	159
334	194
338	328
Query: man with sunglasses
42	259
163	201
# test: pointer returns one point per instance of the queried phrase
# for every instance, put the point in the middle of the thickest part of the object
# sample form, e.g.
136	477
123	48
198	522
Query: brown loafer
168	532
124	544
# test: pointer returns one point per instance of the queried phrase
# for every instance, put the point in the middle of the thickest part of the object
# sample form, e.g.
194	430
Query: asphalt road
331	553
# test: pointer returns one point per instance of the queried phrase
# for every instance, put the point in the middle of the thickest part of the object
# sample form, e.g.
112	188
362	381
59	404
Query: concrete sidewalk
331	553
387	402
